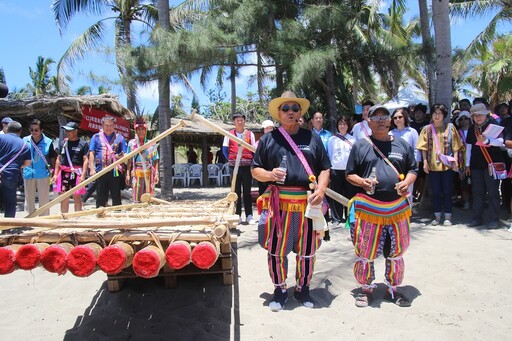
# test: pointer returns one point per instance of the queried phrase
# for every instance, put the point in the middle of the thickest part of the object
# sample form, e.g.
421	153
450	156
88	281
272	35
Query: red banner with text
91	121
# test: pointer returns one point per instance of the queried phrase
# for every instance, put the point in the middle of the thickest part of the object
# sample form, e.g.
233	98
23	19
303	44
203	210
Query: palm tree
441	19
502	10
124	13
42	83
493	73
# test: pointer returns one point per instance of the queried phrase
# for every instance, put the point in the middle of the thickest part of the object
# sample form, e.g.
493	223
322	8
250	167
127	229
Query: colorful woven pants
379	228
297	235
370	241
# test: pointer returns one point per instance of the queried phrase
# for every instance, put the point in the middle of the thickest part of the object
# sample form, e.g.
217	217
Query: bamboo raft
148	239
151	239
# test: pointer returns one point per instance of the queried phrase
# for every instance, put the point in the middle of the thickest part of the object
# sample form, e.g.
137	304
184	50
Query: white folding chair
195	173
214	173
180	172
225	172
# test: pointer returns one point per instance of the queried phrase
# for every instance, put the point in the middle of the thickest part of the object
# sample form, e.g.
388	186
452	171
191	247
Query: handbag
498	170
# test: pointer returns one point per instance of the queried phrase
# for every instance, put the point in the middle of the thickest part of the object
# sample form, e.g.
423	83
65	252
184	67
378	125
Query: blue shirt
116	141
325	135
39	168
10	145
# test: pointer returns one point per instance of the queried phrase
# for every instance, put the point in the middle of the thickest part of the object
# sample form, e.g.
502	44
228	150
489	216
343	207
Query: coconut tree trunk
441	19
331	97
232	78
164	111
428	49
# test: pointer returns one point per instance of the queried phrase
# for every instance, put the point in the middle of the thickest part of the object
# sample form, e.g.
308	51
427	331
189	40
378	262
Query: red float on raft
177	255
204	255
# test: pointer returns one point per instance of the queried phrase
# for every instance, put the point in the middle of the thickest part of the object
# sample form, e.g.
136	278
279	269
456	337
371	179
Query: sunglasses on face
397	117
294	108
464	118
379	118
34	130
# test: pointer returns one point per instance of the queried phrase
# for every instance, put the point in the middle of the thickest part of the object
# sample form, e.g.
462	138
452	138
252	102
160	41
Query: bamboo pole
106	169
100	211
146	197
7	223
329	192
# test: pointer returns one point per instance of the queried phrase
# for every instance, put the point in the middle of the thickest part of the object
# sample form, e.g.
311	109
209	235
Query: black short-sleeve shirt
363	157
77	150
273	146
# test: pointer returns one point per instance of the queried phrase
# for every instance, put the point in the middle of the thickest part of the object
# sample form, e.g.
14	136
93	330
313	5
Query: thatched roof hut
57	111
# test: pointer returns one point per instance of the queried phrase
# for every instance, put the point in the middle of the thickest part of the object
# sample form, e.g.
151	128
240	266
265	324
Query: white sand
456	276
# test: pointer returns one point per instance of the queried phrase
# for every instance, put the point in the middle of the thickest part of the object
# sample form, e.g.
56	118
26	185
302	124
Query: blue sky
29	31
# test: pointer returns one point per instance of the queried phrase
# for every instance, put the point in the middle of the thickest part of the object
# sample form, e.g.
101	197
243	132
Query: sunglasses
379	118
397	117
294	108
464	118
34	130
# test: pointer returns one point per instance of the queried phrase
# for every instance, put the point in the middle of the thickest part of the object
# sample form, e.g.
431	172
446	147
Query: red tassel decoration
177	254
54	257
29	255
148	262
114	258
82	259
204	255
7	258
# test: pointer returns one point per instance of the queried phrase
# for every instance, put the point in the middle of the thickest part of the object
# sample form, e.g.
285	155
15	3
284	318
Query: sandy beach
454	275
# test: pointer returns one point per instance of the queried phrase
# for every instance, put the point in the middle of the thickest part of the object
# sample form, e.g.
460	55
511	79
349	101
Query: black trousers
243	183
108	184
340	185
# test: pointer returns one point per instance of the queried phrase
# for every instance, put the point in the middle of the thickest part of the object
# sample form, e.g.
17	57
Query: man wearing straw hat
283	226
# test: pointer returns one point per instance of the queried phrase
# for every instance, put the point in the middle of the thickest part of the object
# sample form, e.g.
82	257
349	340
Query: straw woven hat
287	96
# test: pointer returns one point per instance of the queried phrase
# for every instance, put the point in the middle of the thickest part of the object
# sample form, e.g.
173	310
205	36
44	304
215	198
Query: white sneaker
435	222
447	223
250	220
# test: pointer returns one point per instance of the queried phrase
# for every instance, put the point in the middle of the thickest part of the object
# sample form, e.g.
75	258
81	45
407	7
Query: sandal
363	299
398	299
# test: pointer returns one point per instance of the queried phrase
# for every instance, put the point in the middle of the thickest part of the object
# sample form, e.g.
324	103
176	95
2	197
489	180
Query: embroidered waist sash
140	172
380	212
290	198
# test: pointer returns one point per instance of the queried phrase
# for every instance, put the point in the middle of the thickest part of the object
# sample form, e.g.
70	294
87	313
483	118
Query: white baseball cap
266	124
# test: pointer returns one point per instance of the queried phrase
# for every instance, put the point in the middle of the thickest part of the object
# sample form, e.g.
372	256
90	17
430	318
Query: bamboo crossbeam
329	192
129	236
155	214
106	169
99	211
8	223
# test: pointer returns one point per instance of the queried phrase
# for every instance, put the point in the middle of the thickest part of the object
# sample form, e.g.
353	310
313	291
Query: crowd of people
381	161
42	166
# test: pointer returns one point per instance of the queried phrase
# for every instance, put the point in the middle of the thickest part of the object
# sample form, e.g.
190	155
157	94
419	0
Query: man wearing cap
107	147
71	167
243	178
481	150
362	129
379	218
142	170
38	175
14	155
5	123
283	226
